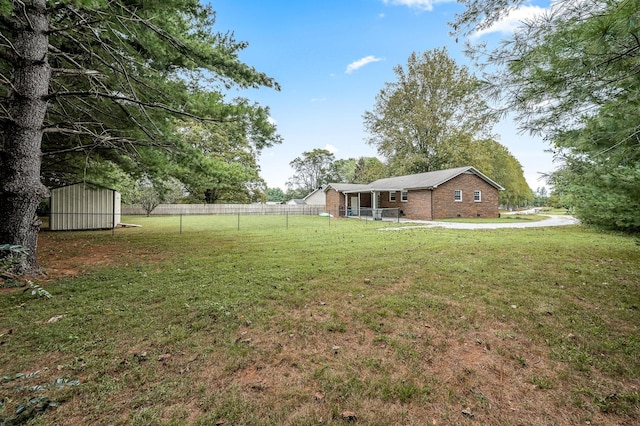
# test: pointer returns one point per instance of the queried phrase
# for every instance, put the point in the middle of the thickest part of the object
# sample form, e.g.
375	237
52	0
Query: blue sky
332	57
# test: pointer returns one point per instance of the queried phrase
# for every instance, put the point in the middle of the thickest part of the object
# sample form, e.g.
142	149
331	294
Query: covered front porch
367	204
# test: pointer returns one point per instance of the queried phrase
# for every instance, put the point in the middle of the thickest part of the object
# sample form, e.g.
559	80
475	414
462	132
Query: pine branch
126	99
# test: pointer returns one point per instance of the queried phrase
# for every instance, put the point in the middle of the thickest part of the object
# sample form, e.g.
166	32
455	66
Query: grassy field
319	321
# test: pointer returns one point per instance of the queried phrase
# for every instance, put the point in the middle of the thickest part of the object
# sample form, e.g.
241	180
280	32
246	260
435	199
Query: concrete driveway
555	220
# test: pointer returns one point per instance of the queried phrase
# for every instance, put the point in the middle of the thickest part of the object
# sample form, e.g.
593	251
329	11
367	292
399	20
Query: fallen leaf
55	319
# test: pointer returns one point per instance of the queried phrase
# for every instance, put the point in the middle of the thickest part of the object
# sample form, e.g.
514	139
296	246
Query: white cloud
332	149
415	4
272	121
513	20
361	63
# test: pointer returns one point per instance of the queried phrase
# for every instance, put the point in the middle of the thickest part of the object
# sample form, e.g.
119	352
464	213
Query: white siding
316	198
84	206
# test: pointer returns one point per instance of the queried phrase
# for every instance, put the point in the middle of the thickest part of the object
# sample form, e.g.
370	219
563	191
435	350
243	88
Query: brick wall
433	205
444	205
418	205
335	201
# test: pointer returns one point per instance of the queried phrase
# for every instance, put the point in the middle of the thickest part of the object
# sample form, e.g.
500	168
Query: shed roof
87	184
428	180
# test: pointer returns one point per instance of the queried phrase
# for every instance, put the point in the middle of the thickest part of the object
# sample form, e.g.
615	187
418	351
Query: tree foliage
418	120
227	169
573	75
151	194
494	160
540	197
345	169
88	85
361	170
369	169
126	76
312	170
275	195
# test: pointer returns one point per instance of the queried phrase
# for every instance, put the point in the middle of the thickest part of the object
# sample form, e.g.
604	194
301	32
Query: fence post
287	215
180	223
238	221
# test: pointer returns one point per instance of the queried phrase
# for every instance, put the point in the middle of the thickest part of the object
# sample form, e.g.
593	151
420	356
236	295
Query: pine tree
87	82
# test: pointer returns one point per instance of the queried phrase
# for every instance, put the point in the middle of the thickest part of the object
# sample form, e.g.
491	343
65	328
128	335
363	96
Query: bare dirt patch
68	257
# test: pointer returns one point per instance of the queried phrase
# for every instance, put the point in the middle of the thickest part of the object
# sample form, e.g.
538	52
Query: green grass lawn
309	320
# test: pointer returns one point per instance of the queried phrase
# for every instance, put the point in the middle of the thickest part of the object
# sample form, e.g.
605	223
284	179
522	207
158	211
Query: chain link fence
193	219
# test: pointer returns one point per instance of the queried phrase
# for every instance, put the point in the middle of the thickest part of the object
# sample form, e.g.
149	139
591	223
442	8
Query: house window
392	196
457	195
404	196
477	196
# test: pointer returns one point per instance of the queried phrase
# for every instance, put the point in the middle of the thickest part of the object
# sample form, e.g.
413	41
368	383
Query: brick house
461	192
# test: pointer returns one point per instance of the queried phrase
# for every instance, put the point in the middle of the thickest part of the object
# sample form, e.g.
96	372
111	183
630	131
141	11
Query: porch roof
347	187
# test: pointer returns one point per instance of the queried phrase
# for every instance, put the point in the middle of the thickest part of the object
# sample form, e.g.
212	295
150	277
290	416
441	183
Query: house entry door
355	208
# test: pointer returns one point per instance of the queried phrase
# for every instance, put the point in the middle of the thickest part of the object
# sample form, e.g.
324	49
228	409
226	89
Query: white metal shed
84	206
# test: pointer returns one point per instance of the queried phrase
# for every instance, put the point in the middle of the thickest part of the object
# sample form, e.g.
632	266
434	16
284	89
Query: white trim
392	200
455	195
479	196
403	198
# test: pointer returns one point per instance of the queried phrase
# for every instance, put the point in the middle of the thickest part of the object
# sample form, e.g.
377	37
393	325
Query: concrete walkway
555	220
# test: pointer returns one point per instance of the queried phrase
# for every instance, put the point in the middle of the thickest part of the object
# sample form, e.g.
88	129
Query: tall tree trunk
20	157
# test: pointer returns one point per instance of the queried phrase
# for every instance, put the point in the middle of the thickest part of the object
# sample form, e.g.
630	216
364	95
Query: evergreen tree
573	76
89	82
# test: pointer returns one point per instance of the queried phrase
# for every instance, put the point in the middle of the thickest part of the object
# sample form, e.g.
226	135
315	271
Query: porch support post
346	205
359	204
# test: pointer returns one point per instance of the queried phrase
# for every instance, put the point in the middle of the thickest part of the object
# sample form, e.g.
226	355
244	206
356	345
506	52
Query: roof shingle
428	180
